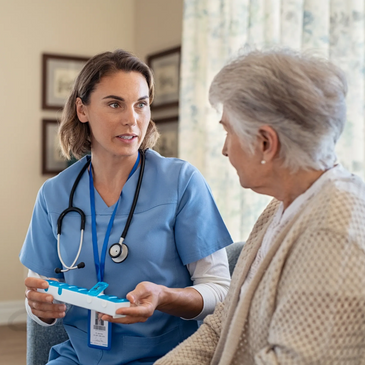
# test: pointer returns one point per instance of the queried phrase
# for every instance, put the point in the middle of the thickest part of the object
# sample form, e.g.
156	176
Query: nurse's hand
41	304
148	297
143	302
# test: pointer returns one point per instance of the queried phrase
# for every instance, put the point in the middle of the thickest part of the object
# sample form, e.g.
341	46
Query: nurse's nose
129	117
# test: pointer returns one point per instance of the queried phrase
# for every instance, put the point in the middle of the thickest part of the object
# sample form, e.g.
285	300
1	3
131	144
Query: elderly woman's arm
320	312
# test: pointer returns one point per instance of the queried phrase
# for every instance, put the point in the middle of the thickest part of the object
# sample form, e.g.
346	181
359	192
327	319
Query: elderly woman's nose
224	149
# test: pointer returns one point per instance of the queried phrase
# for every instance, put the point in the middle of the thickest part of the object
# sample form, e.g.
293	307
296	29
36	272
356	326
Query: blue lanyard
100	264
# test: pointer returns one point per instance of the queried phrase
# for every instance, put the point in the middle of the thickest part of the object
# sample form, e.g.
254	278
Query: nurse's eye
142	104
114	105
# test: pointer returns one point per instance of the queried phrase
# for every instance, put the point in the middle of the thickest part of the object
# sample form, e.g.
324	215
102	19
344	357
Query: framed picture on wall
52	160
167	144
58	75
166	70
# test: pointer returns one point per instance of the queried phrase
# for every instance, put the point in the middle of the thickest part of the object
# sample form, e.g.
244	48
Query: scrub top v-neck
176	222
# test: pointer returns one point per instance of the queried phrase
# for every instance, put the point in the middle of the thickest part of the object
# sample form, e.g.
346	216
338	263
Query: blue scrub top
176	222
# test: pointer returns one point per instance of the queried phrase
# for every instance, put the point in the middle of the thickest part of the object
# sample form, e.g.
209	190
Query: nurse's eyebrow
121	99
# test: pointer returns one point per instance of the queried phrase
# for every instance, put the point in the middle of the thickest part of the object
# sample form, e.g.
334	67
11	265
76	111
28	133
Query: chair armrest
233	252
40	340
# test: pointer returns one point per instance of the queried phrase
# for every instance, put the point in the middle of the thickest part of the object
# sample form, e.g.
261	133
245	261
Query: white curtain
213	32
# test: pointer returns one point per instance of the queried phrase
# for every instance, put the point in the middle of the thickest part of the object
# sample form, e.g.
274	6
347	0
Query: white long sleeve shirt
210	276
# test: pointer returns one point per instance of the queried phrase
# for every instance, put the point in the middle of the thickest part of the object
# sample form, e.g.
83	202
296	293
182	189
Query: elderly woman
298	291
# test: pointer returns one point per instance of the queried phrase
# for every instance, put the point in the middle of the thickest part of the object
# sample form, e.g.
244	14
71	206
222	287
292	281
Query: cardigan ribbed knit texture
306	302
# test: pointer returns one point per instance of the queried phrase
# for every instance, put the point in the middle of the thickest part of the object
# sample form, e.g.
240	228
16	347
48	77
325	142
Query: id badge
100	332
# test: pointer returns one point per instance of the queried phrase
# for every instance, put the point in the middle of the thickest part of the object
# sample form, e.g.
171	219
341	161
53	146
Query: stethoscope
118	251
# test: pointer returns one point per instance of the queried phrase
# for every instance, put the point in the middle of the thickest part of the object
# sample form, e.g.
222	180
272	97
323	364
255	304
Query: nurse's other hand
144	300
41	304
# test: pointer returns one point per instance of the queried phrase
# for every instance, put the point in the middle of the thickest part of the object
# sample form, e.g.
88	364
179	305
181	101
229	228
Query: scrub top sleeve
199	227
39	251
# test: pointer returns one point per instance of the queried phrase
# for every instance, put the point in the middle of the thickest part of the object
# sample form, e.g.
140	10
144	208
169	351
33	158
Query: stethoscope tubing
135	197
71	208
72	267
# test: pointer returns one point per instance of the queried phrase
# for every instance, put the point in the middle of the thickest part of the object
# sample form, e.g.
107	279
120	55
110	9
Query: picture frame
52	160
59	72
165	66
167	145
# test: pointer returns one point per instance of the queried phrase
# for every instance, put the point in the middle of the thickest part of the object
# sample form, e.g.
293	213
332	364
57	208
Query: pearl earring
263	162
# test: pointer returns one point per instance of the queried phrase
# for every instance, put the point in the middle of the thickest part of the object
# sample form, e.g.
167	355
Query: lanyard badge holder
100	332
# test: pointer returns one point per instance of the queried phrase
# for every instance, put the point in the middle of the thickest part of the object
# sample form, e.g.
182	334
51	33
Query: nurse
175	270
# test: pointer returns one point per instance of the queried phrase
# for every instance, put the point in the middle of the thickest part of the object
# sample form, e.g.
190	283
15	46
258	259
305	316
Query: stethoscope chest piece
118	252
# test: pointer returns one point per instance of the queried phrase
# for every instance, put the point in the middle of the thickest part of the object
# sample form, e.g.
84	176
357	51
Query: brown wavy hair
75	136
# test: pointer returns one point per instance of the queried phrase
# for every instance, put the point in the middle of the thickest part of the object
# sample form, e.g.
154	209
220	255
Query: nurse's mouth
127	137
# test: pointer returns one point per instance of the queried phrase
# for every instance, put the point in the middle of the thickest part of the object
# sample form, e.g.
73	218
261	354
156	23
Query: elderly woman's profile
298	291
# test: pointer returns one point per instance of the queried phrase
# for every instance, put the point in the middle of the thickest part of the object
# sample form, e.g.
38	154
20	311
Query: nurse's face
118	114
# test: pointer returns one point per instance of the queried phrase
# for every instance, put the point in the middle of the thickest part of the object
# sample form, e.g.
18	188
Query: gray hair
300	96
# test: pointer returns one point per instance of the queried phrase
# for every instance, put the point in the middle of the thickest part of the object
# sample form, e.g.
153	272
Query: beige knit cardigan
306	303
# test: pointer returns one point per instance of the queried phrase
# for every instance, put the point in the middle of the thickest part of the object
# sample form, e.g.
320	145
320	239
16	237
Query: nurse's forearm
186	303
148	297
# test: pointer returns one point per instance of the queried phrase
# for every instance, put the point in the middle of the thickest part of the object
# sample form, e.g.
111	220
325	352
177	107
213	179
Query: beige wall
158	25
28	29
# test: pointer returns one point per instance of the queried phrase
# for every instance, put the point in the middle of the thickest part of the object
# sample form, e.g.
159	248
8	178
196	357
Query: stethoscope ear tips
118	252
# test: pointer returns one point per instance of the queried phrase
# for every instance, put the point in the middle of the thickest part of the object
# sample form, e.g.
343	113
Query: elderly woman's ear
269	144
